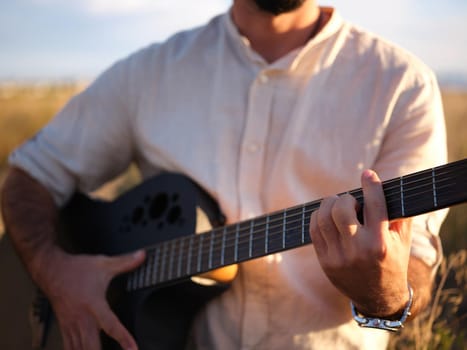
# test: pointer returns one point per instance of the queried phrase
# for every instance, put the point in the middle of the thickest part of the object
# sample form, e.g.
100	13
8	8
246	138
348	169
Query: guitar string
246	232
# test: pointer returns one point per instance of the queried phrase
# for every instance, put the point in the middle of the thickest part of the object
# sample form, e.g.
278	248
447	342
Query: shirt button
263	78
252	148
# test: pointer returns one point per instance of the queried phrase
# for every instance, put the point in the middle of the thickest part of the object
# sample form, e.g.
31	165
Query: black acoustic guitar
157	301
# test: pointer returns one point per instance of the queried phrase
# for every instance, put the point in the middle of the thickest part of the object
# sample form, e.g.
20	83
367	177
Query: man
272	104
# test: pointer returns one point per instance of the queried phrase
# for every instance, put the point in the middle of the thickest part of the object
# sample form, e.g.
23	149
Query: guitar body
160	209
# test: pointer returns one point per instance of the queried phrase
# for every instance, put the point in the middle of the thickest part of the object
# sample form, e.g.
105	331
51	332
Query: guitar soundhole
161	209
137	216
158	206
174	214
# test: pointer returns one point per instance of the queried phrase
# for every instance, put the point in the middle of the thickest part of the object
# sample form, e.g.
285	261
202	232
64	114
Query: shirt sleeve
416	140
87	143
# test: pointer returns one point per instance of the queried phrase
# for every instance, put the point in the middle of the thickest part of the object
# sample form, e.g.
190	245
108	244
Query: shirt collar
291	60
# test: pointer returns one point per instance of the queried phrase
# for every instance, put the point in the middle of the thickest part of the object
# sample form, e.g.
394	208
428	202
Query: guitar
158	300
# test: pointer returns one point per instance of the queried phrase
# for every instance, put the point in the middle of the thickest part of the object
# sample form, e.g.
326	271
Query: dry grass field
25	108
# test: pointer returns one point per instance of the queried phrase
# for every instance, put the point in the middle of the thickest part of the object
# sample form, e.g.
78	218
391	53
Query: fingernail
138	254
368	174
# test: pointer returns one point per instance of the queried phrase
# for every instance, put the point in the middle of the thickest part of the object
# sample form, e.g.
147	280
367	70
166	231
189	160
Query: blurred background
52	49
44	39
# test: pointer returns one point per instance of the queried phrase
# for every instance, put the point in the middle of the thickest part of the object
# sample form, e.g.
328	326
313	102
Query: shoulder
382	56
183	43
140	69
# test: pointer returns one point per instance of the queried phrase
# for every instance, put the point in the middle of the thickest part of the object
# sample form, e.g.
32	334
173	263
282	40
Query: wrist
44	264
392	322
388	303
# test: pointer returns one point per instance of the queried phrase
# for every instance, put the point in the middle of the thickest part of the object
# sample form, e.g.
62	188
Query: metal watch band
380	323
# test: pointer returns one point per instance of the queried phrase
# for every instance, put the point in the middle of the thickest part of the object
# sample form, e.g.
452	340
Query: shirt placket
250	183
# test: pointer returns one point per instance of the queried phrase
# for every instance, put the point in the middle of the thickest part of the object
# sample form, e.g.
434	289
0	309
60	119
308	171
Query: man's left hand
368	262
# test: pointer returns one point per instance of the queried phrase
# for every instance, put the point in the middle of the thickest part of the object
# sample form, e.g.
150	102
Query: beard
277	7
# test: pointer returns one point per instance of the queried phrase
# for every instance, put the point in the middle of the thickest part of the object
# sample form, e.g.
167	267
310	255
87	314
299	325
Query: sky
61	39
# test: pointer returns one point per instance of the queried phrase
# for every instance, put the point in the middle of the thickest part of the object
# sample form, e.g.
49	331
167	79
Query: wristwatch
380	323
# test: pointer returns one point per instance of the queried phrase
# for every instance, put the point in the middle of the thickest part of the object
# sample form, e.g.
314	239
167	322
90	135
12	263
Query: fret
266	238
180	258
217	247
156	264
275	233
250	243
402	196
164	252
171	258
303	224
309	208
133	280
224	231
295	227
236	242
258	236
433	180
188	262
200	251
141	276
149	266
416	195
231	244
452	187
284	223
451	183
392	195
243	240
211	244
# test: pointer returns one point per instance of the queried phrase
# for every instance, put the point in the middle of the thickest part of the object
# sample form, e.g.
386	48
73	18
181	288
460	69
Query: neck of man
273	36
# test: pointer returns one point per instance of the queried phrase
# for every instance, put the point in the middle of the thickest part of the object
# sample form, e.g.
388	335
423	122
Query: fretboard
406	196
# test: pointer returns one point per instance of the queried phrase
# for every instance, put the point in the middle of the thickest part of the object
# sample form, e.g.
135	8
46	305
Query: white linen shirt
258	137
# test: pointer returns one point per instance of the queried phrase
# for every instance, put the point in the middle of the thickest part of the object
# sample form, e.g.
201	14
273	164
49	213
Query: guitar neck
406	196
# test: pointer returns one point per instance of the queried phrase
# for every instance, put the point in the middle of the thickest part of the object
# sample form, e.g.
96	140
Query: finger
326	224
374	210
344	215
70	338
90	337
67	342
111	325
315	234
126	262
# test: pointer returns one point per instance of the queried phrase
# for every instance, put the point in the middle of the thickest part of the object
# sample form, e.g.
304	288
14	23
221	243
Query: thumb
126	262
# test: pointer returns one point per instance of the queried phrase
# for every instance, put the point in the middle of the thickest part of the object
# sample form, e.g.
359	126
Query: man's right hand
76	286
